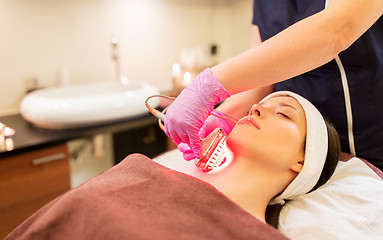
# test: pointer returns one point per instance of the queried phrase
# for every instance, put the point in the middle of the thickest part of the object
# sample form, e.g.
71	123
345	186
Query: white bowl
86	105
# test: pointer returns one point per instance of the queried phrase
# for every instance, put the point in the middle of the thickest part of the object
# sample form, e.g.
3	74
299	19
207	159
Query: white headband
315	151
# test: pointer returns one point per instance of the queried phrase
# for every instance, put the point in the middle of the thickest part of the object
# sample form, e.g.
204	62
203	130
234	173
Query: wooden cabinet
149	140
30	180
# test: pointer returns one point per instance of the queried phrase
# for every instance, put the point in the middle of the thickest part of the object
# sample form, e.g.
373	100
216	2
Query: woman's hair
332	158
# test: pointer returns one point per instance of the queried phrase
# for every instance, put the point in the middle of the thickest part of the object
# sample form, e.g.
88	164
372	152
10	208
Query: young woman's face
273	133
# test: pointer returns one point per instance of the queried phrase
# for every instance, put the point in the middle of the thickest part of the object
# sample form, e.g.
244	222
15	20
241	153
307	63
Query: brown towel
140	199
345	157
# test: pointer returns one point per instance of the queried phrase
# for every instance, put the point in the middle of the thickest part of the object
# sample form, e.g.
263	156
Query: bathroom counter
28	137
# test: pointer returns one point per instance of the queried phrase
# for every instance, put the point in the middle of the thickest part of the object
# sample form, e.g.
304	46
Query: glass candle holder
6	138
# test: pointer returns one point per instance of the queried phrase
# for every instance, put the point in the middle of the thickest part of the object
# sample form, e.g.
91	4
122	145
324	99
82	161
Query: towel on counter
141	199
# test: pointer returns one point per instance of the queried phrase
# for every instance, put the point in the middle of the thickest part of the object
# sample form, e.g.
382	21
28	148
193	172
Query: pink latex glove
186	151
211	123
188	112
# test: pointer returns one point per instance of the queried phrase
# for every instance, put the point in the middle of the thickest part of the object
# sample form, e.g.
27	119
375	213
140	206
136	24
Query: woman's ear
297	167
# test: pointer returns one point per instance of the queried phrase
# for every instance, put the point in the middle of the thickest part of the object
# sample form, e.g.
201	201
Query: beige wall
40	37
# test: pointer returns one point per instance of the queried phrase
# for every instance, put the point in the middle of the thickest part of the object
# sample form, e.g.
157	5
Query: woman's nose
257	110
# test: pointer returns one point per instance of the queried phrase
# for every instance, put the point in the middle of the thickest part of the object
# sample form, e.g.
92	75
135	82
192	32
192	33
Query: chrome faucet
116	57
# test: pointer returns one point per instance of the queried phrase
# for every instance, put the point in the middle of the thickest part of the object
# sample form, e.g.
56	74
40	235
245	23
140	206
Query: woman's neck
245	185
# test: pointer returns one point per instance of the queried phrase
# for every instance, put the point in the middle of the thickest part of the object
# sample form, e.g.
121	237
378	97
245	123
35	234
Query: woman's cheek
244	141
238	139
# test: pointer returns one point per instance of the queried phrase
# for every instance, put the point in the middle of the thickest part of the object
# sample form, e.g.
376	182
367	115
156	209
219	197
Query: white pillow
349	206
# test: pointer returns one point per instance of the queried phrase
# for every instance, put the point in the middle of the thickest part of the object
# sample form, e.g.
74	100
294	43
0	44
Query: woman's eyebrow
283	104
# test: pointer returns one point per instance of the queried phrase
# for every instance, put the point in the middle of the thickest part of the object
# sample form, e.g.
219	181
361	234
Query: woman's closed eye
283	114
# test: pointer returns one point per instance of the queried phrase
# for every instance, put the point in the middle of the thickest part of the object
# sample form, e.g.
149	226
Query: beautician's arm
237	105
302	47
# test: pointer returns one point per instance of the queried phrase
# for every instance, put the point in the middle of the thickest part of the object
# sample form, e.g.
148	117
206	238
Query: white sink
86	105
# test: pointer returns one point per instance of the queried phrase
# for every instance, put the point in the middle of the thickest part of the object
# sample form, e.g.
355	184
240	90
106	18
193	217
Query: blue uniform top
362	63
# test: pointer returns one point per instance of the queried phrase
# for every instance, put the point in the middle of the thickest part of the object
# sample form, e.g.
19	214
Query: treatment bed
142	199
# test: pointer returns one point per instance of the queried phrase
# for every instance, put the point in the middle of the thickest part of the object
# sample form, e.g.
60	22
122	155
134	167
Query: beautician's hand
187	153
211	123
187	114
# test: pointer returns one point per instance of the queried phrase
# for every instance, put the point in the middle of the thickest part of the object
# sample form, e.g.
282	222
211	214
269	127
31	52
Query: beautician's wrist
212	91
219	72
229	119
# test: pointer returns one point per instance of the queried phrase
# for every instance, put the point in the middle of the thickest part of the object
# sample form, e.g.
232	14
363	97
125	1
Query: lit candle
6	138
177	78
2	136
8	132
2	126
176	69
187	78
9	144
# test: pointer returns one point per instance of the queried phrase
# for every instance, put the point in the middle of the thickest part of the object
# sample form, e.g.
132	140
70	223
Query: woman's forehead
283	99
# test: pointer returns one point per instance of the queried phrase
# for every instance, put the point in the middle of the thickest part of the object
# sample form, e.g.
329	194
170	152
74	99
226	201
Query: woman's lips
247	120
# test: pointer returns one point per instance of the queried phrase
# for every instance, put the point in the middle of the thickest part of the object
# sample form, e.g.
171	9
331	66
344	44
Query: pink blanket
140	199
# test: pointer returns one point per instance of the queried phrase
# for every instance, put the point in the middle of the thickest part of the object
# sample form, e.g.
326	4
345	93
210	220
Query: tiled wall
41	37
